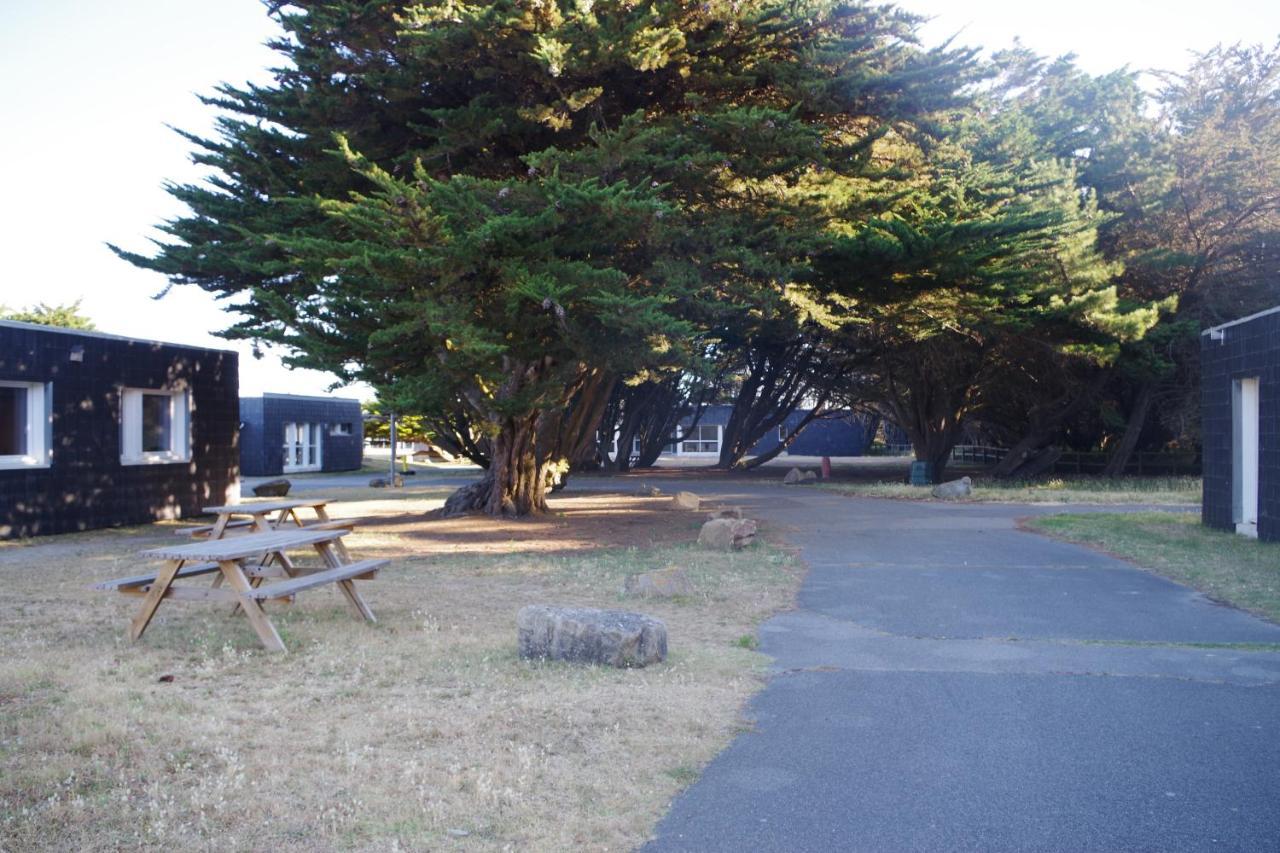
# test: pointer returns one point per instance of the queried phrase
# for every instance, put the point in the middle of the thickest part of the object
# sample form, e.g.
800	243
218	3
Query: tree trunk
1044	427
934	448
526	459
785	443
871	425
516	483
1132	431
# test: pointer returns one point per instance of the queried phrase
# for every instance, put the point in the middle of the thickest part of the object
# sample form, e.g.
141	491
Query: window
24	420
157	423
704	438
613	446
154	426
340	429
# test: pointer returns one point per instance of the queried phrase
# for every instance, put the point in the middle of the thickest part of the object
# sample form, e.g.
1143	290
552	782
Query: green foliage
473	206
377	424
68	316
980	278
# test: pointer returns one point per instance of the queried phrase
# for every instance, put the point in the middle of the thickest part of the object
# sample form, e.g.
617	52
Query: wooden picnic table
241	561
259	519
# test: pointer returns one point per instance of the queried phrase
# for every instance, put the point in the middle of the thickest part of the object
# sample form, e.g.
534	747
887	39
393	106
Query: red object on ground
826	467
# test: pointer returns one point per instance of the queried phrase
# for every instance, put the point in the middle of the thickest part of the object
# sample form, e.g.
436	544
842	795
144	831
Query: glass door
302	447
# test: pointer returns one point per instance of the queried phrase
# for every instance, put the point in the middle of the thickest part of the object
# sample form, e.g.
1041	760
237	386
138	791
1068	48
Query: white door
302	447
1245	412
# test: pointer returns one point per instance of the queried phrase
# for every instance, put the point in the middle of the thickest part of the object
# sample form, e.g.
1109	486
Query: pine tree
499	208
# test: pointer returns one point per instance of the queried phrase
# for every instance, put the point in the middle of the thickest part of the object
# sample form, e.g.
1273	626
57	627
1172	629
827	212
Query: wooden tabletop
240	547
258	507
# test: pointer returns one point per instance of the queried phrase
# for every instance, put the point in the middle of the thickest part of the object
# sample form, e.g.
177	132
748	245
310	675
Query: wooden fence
1142	464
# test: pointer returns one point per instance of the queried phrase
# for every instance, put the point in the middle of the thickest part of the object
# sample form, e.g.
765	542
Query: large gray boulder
961	488
671	582
585	635
725	534
686	500
796	477
273	488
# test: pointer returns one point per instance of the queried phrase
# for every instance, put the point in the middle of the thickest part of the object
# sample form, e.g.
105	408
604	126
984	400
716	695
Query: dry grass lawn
424	731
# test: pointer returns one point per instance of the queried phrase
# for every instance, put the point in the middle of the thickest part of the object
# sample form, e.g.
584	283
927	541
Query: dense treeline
544	226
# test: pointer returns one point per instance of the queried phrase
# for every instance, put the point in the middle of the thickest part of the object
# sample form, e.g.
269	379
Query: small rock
272	488
686	500
378	483
961	488
726	512
664	583
648	491
724	534
397	481
809	477
794	477
165	679
585	635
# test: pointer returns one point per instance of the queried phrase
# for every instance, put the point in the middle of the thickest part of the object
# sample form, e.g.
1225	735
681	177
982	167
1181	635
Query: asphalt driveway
949	682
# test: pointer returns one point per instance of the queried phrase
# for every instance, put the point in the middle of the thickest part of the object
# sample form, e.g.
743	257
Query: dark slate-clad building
98	430
288	434
837	434
1240	414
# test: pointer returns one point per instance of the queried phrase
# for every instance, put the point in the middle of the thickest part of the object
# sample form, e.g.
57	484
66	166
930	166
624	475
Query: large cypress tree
497	208
985	265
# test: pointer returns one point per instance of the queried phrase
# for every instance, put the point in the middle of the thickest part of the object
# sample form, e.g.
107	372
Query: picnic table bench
244	561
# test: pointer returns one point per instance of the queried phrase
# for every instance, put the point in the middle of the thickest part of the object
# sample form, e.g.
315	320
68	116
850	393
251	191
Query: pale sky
89	87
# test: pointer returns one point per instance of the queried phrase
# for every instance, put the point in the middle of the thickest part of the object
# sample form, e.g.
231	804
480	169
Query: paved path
949	682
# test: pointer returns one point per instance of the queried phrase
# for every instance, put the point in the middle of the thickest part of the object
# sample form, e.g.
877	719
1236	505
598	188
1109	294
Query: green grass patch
1057	490
1227	567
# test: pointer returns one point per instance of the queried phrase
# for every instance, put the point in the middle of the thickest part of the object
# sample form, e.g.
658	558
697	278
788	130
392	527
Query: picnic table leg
252	608
256	582
338	544
219	528
347	587
260	525
159	587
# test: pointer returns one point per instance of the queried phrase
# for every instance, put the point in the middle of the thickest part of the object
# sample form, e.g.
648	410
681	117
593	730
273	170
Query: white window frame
38	455
613	445
688	438
131	452
340	429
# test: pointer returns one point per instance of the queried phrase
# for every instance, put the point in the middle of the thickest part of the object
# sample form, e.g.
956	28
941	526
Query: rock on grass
617	638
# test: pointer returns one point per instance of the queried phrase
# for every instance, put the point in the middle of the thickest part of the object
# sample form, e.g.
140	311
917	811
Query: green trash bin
921	473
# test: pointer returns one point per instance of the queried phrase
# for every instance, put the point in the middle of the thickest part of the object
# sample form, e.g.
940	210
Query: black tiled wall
86	487
1248	349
